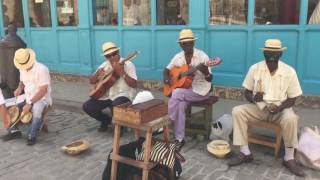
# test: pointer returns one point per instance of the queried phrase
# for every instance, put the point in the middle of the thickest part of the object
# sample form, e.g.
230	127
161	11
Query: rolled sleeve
294	89
248	82
44	77
131	70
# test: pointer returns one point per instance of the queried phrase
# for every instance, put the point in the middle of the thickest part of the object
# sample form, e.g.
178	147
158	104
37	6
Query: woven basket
76	147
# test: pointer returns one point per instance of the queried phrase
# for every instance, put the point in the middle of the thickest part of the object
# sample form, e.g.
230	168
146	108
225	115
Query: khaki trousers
243	114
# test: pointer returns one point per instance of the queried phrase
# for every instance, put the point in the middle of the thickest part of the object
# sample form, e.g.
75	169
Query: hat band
191	38
272	47
26	61
109	49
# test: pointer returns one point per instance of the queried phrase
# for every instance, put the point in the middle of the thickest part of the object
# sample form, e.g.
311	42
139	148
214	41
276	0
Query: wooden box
140	113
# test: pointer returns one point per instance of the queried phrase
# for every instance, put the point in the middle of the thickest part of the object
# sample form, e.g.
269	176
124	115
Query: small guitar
180	76
107	80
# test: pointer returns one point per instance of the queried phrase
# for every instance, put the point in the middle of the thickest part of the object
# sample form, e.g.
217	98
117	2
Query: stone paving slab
45	160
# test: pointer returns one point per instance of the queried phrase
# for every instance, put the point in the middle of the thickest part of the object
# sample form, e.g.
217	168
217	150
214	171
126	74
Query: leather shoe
31	141
241	158
12	135
293	167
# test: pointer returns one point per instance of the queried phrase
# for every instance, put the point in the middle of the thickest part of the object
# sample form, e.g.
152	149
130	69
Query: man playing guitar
200	86
120	92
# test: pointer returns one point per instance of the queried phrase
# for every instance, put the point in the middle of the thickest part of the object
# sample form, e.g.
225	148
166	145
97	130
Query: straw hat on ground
14	113
218	148
26	117
24	58
273	45
108	48
186	35
76	147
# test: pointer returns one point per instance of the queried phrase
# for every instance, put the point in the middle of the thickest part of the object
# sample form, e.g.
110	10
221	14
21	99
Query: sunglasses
111	55
275	56
187	43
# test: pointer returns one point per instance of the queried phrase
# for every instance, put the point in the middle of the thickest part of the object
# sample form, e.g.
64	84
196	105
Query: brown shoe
242	158
293	167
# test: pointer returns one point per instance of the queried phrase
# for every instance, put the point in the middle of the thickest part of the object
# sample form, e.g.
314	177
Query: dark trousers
94	107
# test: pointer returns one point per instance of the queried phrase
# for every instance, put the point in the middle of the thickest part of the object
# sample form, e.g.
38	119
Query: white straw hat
24	58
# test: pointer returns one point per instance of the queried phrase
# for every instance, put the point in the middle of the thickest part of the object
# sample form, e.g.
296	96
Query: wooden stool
200	122
266	140
44	125
149	127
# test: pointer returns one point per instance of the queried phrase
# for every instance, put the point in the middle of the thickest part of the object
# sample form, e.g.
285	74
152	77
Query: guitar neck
129	57
190	71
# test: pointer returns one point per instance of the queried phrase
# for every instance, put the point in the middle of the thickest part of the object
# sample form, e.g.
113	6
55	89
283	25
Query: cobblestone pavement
45	160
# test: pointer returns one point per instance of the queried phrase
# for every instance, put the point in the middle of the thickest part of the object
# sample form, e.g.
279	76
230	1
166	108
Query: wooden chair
255	138
200	122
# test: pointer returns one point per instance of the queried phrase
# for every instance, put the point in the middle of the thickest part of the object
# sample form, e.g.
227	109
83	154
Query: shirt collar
280	71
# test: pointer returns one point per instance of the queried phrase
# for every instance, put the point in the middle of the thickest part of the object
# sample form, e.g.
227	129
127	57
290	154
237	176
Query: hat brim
273	49
14	113
187	40
109	52
29	64
76	147
26	117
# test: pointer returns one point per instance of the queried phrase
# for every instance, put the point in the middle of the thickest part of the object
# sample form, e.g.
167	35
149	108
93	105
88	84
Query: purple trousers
176	108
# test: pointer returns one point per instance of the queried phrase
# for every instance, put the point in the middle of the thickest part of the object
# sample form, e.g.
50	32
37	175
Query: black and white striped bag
161	152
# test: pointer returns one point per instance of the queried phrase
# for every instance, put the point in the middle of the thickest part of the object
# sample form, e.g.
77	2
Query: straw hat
218	148
14	112
24	58
108	48
76	147
273	45
25	117
186	35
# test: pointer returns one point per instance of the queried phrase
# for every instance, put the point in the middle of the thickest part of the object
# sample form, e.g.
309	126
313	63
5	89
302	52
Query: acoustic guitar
181	76
106	81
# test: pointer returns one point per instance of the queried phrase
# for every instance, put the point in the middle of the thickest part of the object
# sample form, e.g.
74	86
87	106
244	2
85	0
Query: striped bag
162	152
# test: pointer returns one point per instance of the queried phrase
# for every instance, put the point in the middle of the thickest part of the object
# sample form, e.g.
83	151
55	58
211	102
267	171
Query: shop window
67	12
228	12
105	12
277	12
172	12
136	12
39	13
314	12
12	12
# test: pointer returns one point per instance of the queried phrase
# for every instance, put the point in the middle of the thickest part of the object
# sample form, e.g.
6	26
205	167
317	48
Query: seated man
271	87
3	111
121	91
35	82
201	83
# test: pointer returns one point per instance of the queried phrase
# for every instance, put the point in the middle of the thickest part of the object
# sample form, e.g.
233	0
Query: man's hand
17	92
273	109
203	67
100	72
118	68
258	97
26	108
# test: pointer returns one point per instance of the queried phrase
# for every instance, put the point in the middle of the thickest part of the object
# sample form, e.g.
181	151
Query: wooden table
149	127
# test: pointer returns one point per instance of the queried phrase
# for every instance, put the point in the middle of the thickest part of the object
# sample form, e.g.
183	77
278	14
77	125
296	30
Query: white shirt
199	84
277	88
2	101
120	88
35	78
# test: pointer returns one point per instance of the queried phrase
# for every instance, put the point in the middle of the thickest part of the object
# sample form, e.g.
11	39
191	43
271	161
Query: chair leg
208	116
278	143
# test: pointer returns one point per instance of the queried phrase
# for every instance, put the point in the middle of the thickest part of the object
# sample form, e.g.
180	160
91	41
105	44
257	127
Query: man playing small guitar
120	92
201	83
